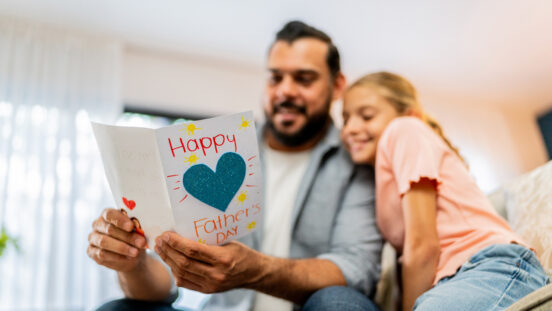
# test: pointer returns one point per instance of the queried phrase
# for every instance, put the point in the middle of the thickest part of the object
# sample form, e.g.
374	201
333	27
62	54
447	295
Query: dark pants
135	305
330	298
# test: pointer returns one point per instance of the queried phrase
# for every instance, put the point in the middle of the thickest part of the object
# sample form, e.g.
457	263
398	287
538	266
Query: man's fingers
189	248
128	237
183	278
190	285
117	218
105	242
182	262
105	257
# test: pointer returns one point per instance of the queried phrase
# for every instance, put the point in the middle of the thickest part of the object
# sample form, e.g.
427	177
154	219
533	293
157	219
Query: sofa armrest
539	300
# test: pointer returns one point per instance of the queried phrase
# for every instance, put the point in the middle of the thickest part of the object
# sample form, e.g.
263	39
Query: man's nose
287	88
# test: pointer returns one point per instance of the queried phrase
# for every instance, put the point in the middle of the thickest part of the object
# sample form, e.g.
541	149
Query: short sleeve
412	150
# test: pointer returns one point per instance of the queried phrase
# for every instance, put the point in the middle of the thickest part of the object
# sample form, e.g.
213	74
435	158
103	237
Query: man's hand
207	268
113	244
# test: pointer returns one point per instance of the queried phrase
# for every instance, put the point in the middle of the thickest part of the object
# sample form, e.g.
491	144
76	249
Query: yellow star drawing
242	197
190	128
251	225
192	159
200	240
245	124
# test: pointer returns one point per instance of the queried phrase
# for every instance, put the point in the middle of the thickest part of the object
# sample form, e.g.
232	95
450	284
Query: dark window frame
132	108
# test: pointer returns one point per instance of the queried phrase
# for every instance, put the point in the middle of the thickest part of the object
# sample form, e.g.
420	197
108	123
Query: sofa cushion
527	204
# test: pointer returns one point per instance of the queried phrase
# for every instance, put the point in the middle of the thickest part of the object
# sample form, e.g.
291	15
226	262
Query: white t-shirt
283	174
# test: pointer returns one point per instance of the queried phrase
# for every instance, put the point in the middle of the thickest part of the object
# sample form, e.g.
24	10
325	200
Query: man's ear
339	85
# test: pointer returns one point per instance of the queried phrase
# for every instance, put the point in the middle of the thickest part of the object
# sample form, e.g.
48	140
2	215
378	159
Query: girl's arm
421	246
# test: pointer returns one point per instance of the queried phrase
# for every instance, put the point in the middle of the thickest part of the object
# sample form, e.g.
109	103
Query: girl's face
366	114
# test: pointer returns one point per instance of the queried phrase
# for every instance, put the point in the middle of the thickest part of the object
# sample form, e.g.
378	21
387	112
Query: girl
456	252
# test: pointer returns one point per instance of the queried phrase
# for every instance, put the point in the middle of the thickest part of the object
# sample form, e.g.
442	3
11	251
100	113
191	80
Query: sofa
526	202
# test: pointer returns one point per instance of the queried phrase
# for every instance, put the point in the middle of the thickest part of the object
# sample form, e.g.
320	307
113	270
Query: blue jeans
493	279
338	298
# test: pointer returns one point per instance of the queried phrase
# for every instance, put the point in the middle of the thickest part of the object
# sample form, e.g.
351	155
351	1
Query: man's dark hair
296	30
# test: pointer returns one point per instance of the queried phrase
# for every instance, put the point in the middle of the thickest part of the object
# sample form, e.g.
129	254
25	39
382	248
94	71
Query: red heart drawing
129	203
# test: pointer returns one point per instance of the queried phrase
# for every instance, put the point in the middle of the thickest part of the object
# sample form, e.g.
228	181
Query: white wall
500	140
190	85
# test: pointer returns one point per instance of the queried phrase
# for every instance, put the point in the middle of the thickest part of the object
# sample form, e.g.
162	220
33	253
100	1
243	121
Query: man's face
298	91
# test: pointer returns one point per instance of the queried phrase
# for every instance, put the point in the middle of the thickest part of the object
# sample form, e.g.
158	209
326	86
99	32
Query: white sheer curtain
51	180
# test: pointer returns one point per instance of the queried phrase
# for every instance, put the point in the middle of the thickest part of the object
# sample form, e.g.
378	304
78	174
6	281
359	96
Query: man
319	229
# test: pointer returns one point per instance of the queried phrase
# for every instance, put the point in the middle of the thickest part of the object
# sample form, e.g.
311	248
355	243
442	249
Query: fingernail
158	241
139	242
157	249
166	237
133	252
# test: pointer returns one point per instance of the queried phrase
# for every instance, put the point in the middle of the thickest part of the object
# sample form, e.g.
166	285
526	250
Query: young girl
456	252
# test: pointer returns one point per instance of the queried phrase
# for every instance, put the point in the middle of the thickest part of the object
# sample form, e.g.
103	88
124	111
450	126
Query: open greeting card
201	179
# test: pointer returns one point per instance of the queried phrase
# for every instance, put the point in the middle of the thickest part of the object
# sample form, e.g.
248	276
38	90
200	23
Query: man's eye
274	79
305	80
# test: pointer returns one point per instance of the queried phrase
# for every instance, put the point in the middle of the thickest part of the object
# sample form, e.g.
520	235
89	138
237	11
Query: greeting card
202	179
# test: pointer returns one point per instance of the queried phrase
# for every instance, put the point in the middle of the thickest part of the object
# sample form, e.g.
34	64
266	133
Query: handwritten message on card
202	179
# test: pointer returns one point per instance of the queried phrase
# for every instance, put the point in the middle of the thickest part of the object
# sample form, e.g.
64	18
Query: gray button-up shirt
333	218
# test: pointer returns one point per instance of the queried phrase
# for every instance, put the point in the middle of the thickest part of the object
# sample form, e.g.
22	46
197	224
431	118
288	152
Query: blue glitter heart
216	189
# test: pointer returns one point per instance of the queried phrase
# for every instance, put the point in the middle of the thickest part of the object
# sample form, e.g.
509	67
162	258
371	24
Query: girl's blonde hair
404	98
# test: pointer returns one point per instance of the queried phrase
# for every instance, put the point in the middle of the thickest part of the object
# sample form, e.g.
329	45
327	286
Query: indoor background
482	68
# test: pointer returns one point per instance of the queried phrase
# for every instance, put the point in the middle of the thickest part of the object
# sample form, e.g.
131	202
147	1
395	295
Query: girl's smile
366	113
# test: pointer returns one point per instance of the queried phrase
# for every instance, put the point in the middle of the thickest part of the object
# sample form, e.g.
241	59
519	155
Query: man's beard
315	124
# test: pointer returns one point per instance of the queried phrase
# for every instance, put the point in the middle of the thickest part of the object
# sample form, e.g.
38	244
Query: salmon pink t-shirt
410	150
